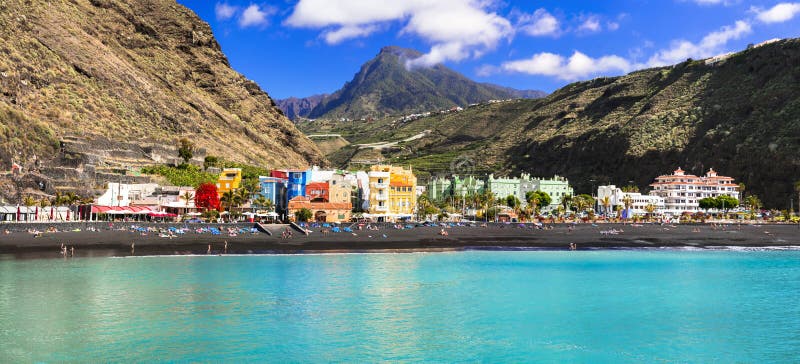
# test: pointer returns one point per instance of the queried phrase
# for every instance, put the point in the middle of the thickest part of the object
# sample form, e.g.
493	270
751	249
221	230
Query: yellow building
340	189
230	179
392	192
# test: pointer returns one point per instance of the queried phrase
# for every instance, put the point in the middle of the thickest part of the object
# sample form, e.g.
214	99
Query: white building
682	192
122	194
638	201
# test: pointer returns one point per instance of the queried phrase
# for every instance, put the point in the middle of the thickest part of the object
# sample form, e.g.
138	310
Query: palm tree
752	202
44	202
566	201
227	200
628	202
606	202
533	202
187	196
29	201
797	188
650	208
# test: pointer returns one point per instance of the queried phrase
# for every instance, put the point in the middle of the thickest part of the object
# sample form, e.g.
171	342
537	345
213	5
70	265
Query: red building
318	191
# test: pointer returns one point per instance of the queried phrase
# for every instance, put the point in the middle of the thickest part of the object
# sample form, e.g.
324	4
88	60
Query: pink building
682	192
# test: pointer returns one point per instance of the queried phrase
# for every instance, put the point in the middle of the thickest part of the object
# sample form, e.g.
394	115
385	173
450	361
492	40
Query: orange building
323	211
318	191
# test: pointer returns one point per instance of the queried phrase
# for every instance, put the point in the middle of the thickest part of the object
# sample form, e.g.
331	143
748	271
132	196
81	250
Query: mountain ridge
384	85
738	114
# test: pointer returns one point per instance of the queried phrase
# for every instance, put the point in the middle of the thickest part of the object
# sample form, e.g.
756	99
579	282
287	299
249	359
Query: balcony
379	185
381	197
380	208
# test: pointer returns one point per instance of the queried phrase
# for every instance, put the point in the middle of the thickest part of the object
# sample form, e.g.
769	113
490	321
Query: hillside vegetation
120	79
740	116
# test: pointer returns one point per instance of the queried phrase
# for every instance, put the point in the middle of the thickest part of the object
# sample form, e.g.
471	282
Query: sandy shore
586	236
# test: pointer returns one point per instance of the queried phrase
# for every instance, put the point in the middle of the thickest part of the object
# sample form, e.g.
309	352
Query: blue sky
300	48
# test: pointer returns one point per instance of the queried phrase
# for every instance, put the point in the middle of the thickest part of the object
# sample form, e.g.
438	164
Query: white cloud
539	23
580	66
456	29
612	26
779	13
254	15
347	32
590	24
712	44
224	11
575	67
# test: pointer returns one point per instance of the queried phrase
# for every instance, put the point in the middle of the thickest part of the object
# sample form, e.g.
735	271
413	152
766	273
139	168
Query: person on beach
209	249
72	251
133	248
225	250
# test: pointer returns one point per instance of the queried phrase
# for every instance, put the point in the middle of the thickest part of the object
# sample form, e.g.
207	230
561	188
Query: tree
303	214
566	201
29	201
582	202
210	161
752	202
797	189
726	202
606	202
708	203
187	196
227	200
185	150
631	189
206	197
536	199
44	202
243	196
650	208
260	201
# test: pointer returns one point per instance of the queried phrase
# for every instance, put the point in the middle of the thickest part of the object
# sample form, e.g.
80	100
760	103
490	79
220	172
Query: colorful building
556	187
439	188
323	211
379	191
340	188
402	192
637	202
230	179
296	180
467	186
503	187
392	192
682	192
274	189
318	191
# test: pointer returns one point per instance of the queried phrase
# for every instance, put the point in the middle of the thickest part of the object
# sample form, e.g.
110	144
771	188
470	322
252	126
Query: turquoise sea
477	306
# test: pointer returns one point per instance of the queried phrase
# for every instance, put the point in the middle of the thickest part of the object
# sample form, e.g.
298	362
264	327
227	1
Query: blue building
274	189
296	181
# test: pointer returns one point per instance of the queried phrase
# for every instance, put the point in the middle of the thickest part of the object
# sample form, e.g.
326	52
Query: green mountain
95	86
739	115
385	86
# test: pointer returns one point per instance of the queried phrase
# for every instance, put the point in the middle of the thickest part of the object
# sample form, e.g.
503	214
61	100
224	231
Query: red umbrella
37	214
67	214
18	212
51	212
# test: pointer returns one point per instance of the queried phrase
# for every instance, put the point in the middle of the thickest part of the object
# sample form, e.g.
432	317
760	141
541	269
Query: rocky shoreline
106	242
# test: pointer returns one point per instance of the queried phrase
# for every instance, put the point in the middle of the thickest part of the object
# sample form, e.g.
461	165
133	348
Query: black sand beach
495	236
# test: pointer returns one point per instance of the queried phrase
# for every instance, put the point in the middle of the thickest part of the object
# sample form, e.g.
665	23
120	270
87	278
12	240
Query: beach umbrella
51	212
18	213
68	214
36	216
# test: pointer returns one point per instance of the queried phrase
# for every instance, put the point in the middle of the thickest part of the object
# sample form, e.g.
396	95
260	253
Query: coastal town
391	193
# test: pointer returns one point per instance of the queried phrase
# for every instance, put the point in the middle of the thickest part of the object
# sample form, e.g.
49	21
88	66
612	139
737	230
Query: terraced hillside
740	116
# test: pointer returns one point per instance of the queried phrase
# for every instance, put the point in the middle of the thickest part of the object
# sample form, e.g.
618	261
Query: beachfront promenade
102	239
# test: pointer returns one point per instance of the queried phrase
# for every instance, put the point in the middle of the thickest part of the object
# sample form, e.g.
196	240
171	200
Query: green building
557	187
503	187
439	189
466	186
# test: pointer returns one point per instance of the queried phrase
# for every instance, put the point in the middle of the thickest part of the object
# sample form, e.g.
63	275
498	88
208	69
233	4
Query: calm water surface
601	306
